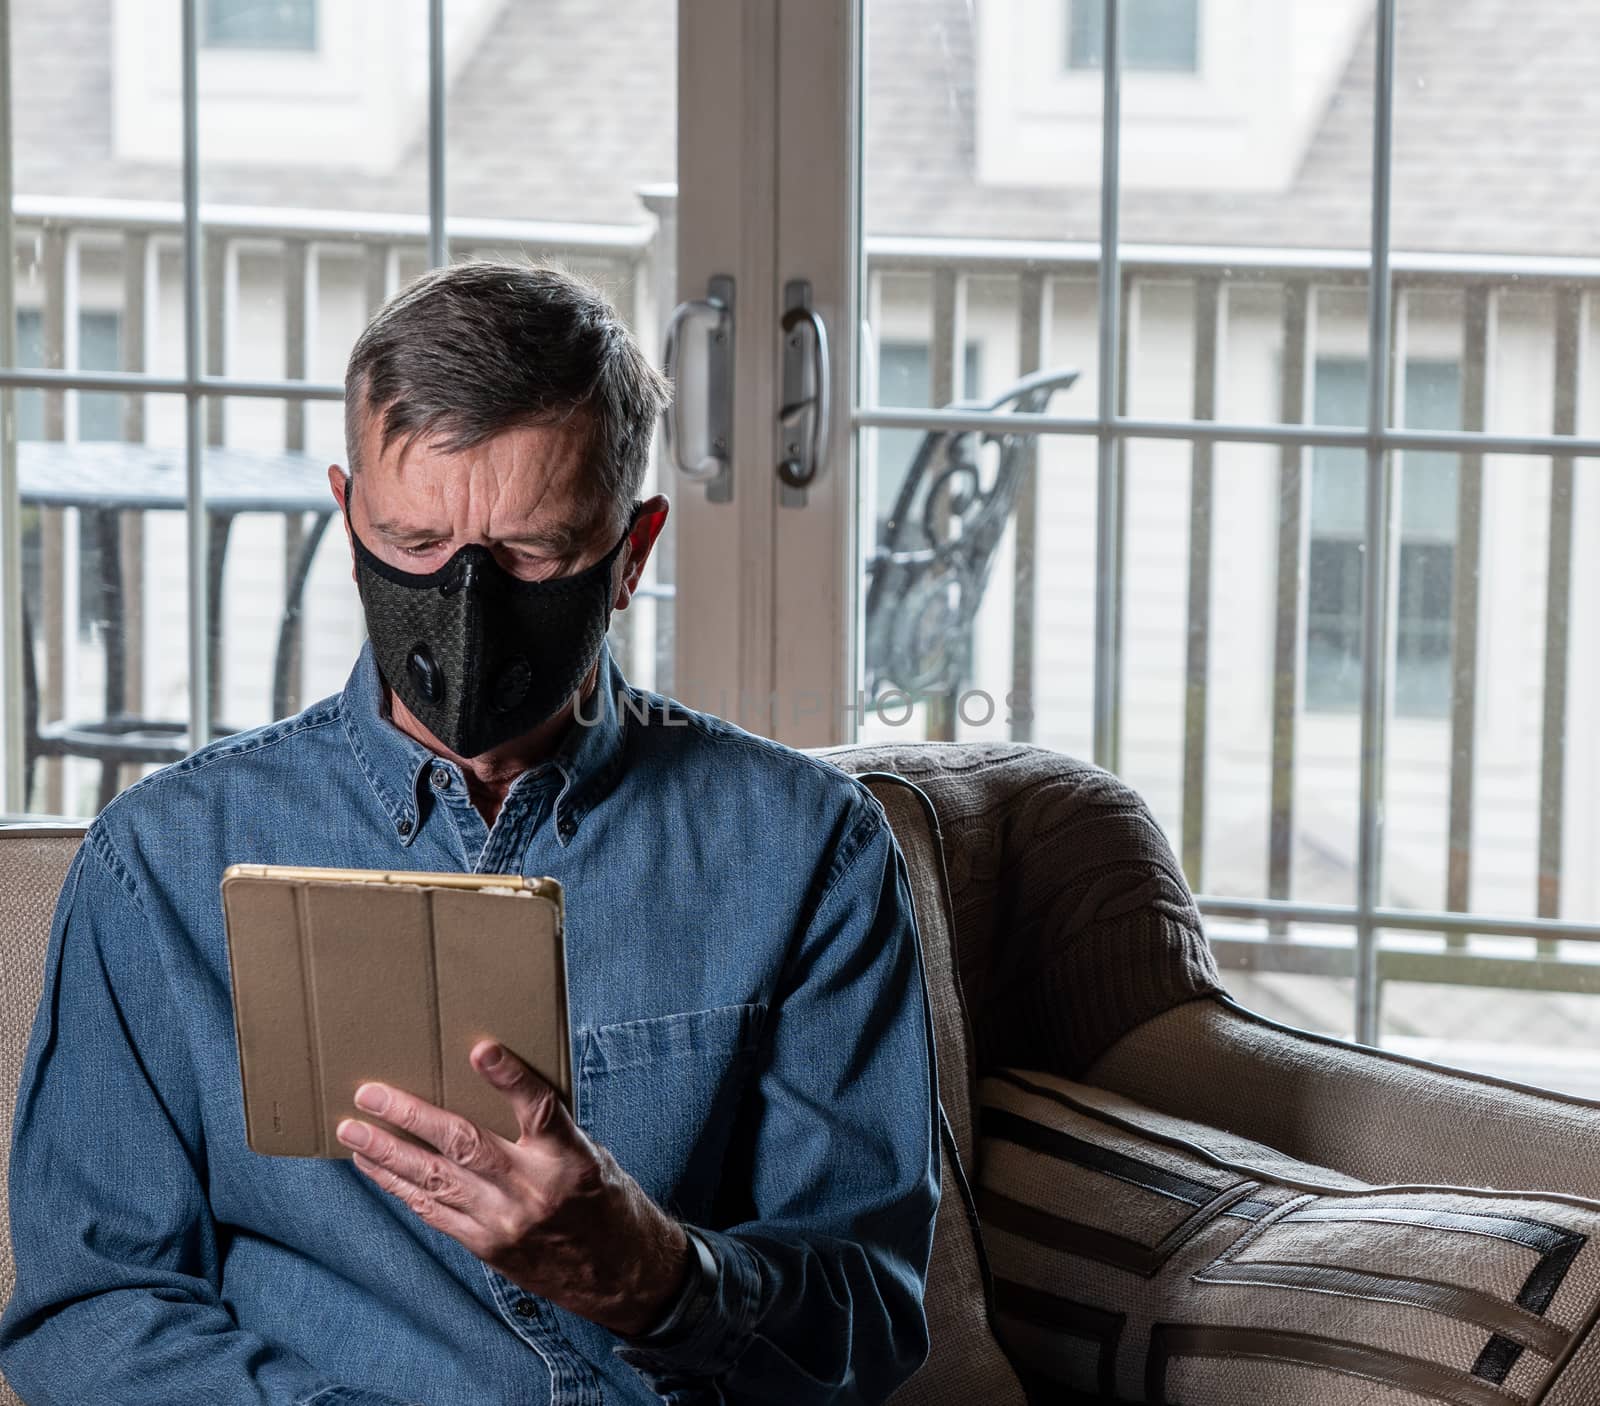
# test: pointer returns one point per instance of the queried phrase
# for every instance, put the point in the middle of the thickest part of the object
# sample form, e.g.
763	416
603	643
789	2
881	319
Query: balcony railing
1299	276
52	234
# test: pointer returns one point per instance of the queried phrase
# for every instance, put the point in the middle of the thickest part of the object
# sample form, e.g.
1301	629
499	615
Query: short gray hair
470	350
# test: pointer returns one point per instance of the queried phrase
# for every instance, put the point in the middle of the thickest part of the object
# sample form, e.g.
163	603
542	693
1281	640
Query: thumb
540	1111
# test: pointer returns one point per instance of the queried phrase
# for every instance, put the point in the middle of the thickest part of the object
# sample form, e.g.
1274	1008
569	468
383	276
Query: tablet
345	975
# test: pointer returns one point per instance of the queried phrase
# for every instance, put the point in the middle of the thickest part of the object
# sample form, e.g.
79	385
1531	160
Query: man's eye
421	550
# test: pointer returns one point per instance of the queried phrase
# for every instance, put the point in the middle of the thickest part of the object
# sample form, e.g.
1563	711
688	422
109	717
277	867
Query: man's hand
553	1211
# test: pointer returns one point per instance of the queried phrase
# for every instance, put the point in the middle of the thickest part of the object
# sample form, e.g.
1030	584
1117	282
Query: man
744	1213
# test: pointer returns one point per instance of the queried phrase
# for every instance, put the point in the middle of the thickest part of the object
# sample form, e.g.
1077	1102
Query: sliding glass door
1217	410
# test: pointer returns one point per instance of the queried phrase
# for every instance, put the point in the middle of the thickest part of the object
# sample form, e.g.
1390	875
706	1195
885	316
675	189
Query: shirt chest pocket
661	1095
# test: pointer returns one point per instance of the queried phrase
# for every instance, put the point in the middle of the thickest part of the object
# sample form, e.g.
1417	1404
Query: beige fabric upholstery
1579	1382
965	1362
1161	1260
915	825
1375	1115
33	863
1073	923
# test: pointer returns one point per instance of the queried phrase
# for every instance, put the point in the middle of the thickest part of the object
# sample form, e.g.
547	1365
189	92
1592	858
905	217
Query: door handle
802	446
714	468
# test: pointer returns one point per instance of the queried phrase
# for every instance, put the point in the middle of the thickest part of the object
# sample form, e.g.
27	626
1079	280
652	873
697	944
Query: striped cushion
1143	1258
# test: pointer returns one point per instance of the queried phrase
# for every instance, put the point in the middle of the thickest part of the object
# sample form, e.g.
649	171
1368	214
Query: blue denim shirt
750	1038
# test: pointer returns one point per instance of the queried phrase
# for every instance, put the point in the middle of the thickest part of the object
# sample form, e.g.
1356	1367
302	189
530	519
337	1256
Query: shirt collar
587	756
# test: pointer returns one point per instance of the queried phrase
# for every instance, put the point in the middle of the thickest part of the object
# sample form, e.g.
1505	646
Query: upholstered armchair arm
1370	1114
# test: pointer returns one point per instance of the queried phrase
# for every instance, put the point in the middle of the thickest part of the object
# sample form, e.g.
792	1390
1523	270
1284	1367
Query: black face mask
477	655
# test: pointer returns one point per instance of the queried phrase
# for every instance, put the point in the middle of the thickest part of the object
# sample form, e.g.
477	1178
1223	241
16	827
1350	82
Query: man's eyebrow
401	529
559	538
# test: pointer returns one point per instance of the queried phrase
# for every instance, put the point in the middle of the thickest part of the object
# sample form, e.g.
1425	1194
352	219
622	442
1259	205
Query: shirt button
524	1308
403	825
568	827
441	779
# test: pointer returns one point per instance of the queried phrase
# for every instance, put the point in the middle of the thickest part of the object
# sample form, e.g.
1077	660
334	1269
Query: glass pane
1427	484
1527	341
285	622
104	568
903	380
960	645
1267	145
1257	792
313	172
1497	1005
319	216
99	349
1250	176
1488	788
1303	976
979	135
1499	94
105	604
976	129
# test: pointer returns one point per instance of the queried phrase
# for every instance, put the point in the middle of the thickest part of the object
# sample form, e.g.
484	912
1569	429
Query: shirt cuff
693	1298
714	1325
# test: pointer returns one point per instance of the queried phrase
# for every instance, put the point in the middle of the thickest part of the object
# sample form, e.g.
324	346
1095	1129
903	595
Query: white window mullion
1379	534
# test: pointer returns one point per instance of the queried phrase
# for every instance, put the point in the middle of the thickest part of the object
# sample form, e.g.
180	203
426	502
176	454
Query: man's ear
339	482
647	525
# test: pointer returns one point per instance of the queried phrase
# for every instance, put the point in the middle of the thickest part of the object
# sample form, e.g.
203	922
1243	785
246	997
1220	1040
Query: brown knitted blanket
1073	923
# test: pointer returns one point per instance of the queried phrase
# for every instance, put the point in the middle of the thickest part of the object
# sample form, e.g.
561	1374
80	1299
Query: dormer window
260	24
1158	36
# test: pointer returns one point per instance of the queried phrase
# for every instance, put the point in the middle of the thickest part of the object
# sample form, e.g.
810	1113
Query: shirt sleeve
817	1296
118	1301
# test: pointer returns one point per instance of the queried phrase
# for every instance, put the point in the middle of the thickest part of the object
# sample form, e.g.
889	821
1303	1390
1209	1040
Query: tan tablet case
345	975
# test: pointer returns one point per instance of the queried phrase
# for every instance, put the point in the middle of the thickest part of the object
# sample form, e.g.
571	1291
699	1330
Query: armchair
1150	1193
1177	1200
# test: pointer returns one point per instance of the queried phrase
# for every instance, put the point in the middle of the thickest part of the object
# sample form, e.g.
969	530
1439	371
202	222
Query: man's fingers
460	1140
436	1175
457	1224
540	1112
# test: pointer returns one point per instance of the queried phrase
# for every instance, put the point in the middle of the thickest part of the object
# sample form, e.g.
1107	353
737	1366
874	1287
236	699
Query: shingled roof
558	116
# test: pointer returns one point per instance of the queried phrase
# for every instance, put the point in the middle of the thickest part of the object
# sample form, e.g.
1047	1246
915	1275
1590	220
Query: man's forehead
533	473
540	452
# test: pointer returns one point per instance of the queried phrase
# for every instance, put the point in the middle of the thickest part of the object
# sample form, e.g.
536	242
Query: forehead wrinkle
517	486
553	495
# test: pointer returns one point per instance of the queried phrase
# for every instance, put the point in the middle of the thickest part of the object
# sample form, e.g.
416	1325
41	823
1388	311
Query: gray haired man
743	1212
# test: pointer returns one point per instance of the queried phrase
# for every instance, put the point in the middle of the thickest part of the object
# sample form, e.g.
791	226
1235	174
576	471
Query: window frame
830	215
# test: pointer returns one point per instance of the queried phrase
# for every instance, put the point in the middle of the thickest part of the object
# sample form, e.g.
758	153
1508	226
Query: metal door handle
800	457
714	467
